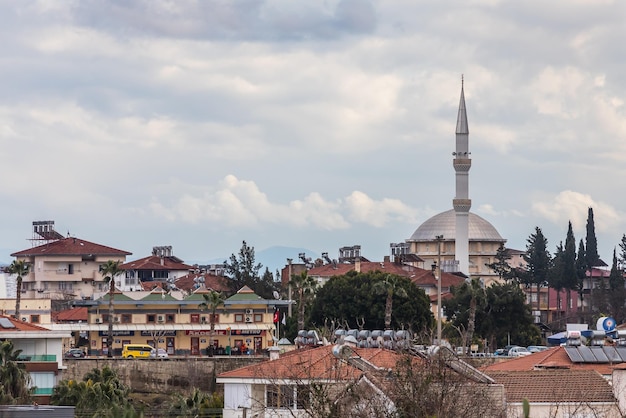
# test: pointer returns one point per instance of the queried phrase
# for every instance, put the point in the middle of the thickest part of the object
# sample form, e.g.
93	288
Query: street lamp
438	238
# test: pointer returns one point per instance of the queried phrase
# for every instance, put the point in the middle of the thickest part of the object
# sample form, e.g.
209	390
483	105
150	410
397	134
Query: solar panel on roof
612	355
586	354
573	354
621	351
6	323
599	353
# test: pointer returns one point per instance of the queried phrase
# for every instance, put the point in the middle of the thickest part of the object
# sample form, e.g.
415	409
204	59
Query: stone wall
160	375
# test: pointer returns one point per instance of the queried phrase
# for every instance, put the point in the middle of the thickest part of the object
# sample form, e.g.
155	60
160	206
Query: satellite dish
276	295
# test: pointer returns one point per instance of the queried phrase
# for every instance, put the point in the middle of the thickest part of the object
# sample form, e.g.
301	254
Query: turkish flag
276	316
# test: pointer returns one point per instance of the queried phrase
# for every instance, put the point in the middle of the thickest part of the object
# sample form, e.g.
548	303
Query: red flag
276	316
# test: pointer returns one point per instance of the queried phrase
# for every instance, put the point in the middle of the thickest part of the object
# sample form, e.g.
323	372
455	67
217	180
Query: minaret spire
462	203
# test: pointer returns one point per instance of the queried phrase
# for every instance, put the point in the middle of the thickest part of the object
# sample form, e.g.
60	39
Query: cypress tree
570	278
591	252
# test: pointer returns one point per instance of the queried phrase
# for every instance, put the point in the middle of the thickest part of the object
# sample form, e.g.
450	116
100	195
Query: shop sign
159	333
233	332
117	333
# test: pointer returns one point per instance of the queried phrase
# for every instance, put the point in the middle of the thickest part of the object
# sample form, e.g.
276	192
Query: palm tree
390	285
211	302
14	379
304	287
19	268
109	271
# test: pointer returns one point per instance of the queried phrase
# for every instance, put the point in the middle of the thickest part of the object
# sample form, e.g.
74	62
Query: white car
519	351
160	353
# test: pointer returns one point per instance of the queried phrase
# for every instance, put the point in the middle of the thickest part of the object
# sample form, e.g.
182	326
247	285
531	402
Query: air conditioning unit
116	319
249	311
24	319
97	320
249	318
160	318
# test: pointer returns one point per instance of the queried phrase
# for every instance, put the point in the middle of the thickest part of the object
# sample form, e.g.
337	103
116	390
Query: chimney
274	352
357	264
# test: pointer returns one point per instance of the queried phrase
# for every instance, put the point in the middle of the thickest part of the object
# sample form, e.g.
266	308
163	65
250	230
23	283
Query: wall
162	376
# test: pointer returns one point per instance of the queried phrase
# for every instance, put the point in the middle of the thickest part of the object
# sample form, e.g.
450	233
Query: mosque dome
444	224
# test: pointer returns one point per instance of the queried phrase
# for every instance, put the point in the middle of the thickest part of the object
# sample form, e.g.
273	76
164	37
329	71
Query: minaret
462	203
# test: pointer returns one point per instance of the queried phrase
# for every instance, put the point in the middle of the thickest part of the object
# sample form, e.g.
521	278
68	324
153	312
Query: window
195	318
280	396
43	381
303	397
258	317
160	274
105	318
66	286
239	317
34	319
70	269
170	318
127	319
151	318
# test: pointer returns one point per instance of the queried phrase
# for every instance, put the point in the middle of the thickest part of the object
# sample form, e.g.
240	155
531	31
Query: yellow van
136	351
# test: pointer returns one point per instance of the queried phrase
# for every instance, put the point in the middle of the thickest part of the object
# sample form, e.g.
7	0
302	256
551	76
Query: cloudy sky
312	124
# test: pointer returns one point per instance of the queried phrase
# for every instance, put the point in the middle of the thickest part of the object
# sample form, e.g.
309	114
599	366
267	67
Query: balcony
39	358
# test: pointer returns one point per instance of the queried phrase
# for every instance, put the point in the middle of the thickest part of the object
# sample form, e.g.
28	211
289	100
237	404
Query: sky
307	124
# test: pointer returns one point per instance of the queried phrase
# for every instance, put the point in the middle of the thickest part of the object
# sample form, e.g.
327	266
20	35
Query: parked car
500	352
159	353
536	348
136	351
518	352
74	353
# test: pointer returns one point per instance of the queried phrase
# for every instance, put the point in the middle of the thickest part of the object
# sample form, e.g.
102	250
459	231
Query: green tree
212	301
303	287
556	279
109	271
501	265
617	292
581	269
350	300
501	314
389	286
99	394
243	270
538	262
14	379
569	278
591	247
197	404
20	268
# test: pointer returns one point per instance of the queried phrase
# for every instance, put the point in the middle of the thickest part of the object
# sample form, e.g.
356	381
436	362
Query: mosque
457	240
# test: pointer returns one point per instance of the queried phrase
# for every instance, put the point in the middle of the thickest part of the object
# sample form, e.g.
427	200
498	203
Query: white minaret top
462	203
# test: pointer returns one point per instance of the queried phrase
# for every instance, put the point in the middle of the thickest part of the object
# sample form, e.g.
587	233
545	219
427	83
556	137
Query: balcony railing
37	357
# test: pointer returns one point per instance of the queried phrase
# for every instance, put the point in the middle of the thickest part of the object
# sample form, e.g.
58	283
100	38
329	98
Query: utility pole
439	238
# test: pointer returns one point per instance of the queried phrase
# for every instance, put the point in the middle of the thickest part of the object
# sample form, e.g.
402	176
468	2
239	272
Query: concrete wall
162	376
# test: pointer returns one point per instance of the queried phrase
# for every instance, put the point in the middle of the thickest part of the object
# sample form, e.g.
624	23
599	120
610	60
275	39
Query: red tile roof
72	315
211	282
330	270
313	363
20	326
154	262
71	246
552	358
554	386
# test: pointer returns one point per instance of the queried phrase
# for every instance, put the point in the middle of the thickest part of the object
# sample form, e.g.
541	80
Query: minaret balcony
462	164
462	205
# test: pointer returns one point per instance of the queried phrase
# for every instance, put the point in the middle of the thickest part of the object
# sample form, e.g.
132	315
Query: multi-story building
65	268
160	267
35	311
41	353
176	323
